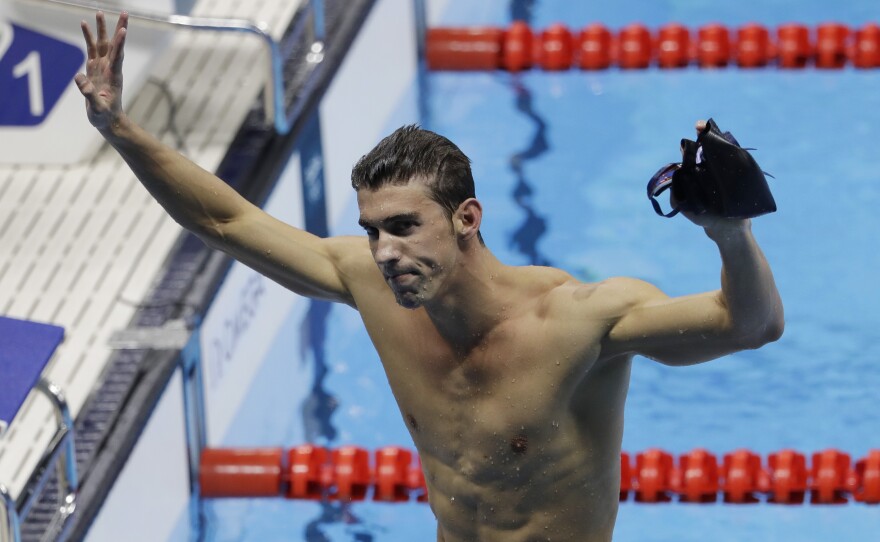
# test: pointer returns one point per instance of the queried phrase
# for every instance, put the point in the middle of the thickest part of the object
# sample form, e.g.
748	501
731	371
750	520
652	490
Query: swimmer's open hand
102	83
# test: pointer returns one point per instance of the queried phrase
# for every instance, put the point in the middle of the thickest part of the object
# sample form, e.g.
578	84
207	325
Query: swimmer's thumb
85	86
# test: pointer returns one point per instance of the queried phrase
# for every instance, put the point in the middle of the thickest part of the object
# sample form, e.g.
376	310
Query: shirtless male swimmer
511	380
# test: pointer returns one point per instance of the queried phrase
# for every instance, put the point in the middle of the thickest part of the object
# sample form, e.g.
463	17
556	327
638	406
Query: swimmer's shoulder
559	292
348	248
539	281
628	289
605	298
352	257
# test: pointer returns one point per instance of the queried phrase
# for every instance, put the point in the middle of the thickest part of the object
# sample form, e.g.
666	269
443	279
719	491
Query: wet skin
518	427
511	380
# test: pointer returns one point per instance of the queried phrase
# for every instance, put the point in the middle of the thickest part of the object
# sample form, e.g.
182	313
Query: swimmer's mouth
400	276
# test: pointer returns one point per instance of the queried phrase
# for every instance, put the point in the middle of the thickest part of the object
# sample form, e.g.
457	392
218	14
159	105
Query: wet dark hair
412	152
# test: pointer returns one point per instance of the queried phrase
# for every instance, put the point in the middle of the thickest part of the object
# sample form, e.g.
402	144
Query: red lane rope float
395	475
595	47
241	472
742	477
465	48
866	49
593	50
554	49
674	47
634	49
753	47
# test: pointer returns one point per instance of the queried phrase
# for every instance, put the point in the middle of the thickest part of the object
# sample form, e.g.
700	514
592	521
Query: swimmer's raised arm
197	199
745	313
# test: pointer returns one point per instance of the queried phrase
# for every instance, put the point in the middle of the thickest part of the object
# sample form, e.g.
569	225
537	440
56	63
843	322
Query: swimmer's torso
519	436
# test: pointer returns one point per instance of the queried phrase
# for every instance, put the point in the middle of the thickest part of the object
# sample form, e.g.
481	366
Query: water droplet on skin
557	362
513	380
452	499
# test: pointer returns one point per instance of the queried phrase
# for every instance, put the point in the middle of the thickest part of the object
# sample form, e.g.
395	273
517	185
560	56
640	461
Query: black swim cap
716	176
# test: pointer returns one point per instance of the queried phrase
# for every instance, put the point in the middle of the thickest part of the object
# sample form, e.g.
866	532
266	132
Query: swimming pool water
587	144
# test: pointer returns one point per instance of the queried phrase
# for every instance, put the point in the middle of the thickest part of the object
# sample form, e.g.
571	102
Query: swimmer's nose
387	249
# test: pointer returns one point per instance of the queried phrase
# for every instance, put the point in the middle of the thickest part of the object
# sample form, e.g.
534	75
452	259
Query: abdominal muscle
514	458
557	489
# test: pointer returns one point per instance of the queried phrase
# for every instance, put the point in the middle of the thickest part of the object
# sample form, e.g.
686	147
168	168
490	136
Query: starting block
25	350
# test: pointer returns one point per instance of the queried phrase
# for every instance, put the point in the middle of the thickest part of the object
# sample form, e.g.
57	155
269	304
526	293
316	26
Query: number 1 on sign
30	67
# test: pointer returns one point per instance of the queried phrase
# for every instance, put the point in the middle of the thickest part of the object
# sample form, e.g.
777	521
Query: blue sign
34	72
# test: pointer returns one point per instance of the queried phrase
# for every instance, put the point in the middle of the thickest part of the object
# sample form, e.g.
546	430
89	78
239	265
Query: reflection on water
525	238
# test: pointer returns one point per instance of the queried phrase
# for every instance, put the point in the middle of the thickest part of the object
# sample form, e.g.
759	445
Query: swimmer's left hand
709	221
713	224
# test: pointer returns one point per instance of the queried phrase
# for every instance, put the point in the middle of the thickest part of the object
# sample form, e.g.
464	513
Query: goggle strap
656	205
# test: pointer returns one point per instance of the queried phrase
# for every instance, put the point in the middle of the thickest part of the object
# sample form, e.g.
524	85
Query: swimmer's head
415	245
413	153
416	198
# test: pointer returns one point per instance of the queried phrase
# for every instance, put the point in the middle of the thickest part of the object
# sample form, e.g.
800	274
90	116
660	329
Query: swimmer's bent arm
198	200
745	313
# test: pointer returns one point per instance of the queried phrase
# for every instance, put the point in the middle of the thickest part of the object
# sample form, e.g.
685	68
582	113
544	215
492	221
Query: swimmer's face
411	238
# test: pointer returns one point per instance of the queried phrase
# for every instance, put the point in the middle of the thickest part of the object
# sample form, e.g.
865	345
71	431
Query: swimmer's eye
403	227
397	227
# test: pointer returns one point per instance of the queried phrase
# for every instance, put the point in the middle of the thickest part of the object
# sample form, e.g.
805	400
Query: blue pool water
586	144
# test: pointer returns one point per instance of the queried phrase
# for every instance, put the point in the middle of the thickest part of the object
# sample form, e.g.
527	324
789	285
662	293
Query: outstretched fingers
117	48
101	85
90	40
103	44
122	22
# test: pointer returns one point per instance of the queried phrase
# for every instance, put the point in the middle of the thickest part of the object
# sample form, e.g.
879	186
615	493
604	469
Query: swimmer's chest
521	358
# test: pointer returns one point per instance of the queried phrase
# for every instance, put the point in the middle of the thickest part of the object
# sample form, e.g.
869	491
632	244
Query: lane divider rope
653	476
596	47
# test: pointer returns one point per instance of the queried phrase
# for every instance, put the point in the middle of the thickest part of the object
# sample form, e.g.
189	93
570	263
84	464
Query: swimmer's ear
467	218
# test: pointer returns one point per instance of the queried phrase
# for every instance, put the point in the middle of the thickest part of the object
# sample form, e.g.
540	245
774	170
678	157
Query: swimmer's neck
475	298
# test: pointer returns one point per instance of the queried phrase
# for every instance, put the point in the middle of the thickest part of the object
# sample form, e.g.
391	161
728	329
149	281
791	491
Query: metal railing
276	111
61	452
10	527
